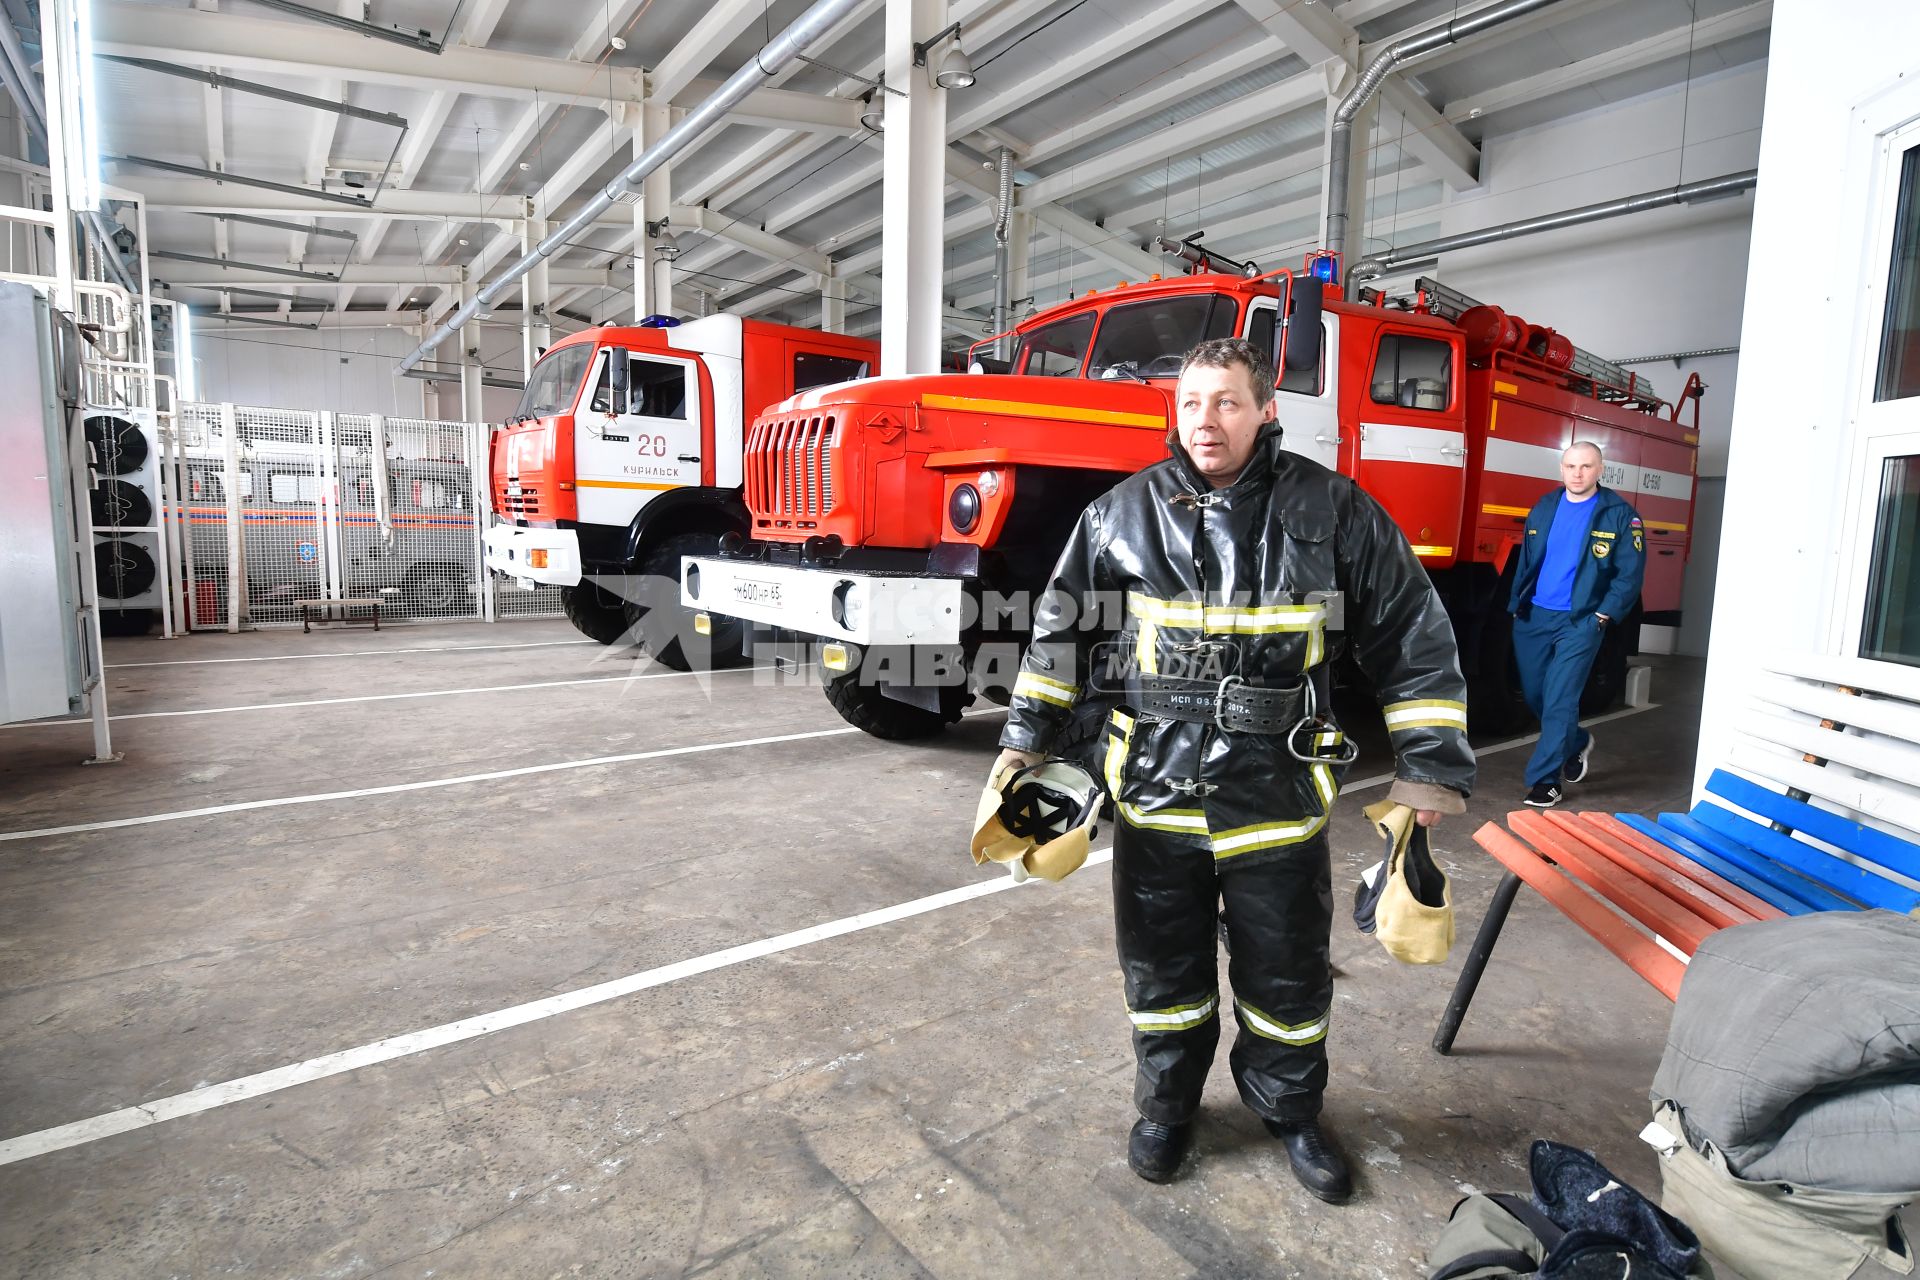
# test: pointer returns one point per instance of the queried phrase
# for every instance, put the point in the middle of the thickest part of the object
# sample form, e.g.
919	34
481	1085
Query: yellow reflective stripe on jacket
1180	1017
1186	822
1263	1024
1425	713
1147	653
1033	685
1117	747
1271	835
1226	619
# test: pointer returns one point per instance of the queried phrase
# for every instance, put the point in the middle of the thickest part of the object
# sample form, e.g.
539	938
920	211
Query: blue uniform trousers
1554	652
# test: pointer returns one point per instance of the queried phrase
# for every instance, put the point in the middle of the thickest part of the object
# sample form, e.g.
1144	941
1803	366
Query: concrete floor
946	1094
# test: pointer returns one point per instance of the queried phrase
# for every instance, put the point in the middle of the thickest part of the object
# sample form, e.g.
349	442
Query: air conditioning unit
124	446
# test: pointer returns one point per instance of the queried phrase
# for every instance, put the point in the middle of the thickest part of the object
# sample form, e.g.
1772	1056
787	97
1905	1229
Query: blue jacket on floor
1608	580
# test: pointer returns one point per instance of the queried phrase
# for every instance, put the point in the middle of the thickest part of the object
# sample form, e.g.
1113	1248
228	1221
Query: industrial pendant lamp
955	69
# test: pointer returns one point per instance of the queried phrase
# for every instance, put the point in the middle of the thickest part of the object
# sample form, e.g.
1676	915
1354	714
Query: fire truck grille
789	468
513	501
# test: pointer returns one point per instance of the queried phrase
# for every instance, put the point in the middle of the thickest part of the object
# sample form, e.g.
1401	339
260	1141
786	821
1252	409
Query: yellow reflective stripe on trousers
1033	685
1262	1024
1425	713
1180	1017
1118	745
1186	822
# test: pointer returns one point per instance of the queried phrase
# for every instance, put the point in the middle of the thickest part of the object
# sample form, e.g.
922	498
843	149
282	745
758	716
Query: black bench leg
1476	965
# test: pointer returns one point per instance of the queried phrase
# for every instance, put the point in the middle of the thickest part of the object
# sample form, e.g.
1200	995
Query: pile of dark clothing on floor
1787	1105
1582	1223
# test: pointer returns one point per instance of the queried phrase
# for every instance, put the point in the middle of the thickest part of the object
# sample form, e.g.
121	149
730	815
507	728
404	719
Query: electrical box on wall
124	447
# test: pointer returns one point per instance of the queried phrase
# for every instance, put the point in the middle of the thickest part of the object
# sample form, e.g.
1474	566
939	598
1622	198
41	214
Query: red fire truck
891	517
625	455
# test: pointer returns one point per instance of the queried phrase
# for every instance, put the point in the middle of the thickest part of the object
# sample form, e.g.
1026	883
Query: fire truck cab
625	455
886	515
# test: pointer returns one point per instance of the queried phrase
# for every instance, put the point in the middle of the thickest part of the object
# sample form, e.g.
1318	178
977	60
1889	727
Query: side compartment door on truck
1413	446
624	454
1307	402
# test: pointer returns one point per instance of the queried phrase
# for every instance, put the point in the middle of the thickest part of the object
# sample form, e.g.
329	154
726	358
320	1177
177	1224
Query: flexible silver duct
1373	75
806	29
1002	264
1686	193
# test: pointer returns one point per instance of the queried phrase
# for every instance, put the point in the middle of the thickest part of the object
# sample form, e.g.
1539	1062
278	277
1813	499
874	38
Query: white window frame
1886	129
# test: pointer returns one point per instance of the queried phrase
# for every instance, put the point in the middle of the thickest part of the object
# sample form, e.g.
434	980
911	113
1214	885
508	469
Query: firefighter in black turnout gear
1202	595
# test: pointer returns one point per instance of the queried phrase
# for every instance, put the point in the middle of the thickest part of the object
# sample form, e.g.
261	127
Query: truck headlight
963	508
849	610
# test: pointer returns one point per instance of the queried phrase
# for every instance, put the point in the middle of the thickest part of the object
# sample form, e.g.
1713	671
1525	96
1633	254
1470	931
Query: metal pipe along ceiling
1340	135
807	28
1711	189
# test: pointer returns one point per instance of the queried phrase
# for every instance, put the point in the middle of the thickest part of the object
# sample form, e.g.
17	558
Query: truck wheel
666	626
867	709
595	613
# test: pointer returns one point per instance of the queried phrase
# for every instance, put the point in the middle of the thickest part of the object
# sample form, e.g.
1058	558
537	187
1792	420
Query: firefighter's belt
1231	705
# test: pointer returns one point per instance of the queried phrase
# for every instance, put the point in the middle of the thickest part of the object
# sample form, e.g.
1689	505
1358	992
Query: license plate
752	591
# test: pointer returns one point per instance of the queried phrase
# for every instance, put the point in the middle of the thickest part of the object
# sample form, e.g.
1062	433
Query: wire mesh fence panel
511	600
283	492
409	526
204	487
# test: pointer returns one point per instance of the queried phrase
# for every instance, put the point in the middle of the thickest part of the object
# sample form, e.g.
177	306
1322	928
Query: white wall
1645	284
1791	484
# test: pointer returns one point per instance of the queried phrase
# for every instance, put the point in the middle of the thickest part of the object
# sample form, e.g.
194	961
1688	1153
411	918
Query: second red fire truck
892	518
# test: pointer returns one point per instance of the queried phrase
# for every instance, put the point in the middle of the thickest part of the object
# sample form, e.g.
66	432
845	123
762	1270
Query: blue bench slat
1815	864
1760	865
1870	843
1715	863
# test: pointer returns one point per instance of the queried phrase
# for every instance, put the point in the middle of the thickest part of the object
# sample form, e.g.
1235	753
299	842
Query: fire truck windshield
1149	339
555	382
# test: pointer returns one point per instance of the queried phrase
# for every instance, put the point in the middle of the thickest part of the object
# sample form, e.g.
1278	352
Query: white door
1306	403
626	454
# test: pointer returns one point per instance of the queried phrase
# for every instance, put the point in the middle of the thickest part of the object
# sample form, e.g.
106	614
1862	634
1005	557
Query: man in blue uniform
1579	573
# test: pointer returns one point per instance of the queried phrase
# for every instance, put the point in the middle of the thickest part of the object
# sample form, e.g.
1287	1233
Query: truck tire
594	613
867	709
665	625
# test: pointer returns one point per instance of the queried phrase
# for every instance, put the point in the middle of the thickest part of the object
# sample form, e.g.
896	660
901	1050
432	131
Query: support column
913	207
536	300
653	275
1356	196
469	347
833	304
1019	243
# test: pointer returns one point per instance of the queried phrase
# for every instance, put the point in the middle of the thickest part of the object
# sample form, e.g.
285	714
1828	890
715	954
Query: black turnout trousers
1167	898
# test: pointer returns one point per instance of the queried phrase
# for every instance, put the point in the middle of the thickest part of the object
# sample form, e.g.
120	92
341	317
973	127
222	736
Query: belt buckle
1227	685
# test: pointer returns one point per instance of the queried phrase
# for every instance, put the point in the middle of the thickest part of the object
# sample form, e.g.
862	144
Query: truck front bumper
549	557
835	604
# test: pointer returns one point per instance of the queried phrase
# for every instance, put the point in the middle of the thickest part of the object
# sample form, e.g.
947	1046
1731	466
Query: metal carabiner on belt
1313	722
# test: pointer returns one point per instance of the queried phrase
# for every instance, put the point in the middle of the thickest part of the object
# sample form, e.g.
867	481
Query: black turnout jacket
1257	580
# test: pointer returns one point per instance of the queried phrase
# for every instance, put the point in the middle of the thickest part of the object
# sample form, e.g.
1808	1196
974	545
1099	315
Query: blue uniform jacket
1608	579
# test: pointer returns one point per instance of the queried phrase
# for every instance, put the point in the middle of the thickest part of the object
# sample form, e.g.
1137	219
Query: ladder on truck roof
1610	381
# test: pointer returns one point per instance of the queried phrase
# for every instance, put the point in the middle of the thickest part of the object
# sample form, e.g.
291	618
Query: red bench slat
1672	921
1691	896
1640	953
1754	905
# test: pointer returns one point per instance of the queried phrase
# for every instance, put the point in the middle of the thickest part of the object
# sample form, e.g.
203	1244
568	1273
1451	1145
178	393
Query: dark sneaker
1316	1163
1544	795
1576	768
1154	1150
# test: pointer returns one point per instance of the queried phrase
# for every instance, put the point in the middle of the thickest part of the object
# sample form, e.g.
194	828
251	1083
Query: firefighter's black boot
1316	1164
1154	1150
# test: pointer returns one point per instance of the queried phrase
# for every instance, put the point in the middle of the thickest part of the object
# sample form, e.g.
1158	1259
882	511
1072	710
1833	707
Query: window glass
1150	339
812	369
428	493
1892	631
556	381
656	389
1304	382
292	486
1412	372
204	485
1900	338
1056	351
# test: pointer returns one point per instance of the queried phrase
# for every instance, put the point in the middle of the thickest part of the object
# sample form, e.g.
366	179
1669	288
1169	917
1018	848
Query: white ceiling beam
374	275
1215	68
201	195
423	134
1493	38
1671	43
781	108
1430	137
694	52
1355	12
1310	31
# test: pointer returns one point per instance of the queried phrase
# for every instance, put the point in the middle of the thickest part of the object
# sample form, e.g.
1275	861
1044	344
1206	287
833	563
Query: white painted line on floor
1508	744
208	1097
383	697
429	784
352	653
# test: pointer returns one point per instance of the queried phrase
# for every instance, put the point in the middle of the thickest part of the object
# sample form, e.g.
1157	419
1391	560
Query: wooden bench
1808	816
312	611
